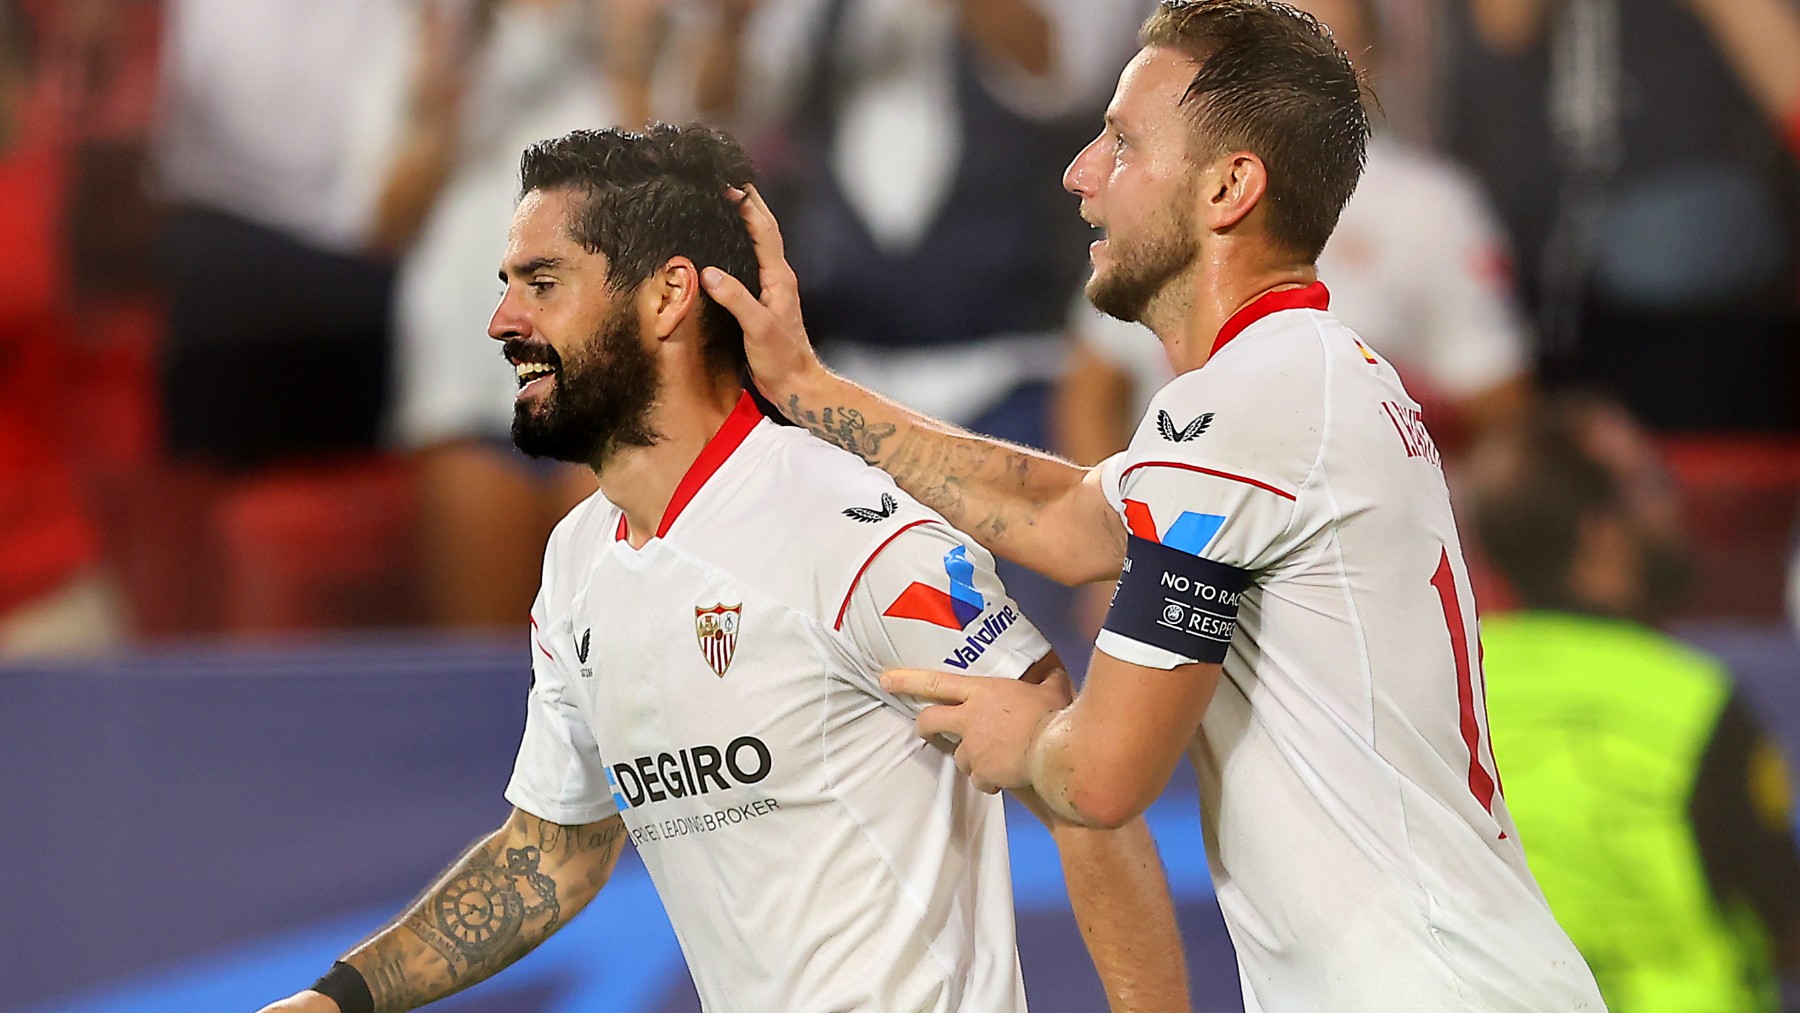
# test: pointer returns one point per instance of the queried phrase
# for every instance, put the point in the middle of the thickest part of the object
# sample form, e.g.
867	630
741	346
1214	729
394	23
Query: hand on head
775	342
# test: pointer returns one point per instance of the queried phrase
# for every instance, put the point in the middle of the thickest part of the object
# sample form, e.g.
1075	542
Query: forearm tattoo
479	916
981	486
488	911
842	427
973	483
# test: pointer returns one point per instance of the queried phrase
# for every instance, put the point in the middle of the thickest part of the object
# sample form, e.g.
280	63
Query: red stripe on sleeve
1266	487
539	643
879	549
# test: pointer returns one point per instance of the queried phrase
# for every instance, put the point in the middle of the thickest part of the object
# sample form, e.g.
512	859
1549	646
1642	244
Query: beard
1143	267
601	400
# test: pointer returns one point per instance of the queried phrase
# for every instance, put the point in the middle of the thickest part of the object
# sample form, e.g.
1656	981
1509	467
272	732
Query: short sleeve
929	598
1209	492
559	775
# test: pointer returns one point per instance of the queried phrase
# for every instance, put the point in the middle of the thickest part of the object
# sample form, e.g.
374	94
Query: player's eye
1118	143
539	287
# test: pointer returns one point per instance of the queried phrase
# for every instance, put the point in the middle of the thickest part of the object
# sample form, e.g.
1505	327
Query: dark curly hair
1272	81
652	195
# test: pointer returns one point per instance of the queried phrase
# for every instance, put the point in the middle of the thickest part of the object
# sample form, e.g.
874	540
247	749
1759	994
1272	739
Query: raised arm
1028	506
506	895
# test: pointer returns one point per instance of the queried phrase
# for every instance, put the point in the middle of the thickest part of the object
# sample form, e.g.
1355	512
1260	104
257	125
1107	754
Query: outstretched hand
781	357
996	720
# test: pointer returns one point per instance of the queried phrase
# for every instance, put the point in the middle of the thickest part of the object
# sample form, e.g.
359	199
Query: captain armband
1177	602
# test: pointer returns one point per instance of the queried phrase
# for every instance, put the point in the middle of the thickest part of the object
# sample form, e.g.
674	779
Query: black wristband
345	986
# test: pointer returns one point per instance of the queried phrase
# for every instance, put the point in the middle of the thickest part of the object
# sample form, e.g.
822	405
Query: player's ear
670	296
1232	187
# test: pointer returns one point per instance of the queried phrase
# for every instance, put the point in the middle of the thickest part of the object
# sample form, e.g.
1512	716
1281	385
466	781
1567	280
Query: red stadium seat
321	546
1740	497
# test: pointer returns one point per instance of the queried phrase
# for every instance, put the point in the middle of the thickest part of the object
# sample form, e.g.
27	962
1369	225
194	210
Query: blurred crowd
246	388
244	380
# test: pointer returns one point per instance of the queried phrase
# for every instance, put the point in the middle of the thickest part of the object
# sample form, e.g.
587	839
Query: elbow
1106	806
1108	815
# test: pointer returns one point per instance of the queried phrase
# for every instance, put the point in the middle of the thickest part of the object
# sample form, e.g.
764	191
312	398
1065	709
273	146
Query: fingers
765	236
939	687
941	720
731	294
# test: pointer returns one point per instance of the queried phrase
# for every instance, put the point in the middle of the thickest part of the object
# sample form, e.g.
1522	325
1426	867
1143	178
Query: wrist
811	384
345	986
1041	771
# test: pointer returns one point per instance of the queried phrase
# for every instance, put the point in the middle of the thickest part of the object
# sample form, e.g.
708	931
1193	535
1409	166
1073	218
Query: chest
674	655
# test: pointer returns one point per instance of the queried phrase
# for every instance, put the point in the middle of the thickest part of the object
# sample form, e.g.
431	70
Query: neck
1188	314
641	480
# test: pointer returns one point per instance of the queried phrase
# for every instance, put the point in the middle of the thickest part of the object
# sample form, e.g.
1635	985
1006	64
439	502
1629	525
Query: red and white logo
716	627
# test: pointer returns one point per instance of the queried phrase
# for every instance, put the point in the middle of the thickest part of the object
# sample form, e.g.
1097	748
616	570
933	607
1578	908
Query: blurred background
266	551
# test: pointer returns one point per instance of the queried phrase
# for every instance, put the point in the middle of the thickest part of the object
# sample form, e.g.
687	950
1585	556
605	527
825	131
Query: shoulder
1257	405
572	543
831	492
580	528
806	519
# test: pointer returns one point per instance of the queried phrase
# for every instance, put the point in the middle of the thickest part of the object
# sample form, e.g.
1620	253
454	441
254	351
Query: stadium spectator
54	595
1652	804
1418	266
486	80
722	609
1283	478
1657	228
915	148
278	324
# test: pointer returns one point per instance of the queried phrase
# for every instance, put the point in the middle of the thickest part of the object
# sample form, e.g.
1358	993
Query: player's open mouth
529	373
534	366
1095	246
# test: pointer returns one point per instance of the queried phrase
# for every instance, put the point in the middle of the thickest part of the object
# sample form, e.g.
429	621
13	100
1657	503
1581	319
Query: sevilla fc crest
716	627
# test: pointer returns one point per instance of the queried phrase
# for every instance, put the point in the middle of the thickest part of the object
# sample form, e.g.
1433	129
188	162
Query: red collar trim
1312	297
743	418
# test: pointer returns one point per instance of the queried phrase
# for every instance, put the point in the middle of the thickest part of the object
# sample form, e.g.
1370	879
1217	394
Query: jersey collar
1312	297
743	418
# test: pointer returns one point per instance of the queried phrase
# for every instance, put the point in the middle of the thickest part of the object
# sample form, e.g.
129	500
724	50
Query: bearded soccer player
706	648
1292	608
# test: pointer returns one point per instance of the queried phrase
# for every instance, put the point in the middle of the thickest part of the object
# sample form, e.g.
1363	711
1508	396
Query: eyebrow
532	266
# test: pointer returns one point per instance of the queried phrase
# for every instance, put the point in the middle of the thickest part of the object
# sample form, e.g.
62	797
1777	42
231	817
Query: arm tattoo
489	910
479	917
842	427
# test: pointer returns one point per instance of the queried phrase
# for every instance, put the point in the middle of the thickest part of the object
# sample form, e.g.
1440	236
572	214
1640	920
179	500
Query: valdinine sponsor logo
978	640
695	770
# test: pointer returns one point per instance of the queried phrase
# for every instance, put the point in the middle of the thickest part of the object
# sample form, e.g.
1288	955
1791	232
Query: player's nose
1081	177
510	319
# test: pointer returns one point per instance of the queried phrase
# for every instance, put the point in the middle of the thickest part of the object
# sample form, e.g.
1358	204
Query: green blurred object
1599	727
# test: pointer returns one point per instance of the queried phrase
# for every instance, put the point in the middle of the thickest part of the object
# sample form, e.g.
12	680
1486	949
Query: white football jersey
1359	842
718	688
